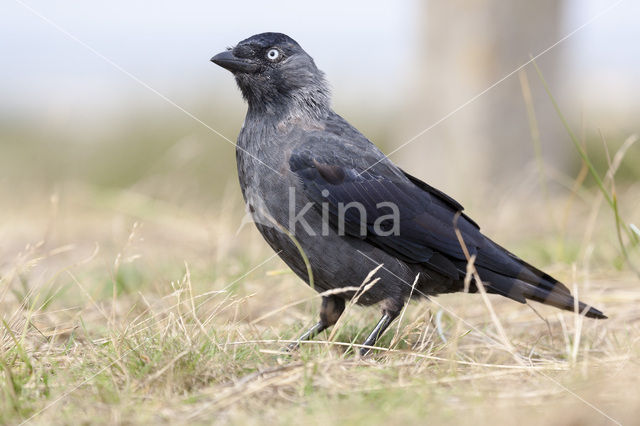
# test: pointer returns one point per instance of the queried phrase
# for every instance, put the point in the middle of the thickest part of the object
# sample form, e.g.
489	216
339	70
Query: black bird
330	203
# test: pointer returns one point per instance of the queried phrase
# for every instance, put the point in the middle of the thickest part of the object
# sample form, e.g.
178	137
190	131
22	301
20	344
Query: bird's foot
379	329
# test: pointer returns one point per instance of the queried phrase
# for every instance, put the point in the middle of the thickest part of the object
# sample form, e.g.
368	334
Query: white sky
363	45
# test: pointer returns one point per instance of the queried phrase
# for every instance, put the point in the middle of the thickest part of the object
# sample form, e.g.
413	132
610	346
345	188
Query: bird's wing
366	196
334	173
400	217
435	192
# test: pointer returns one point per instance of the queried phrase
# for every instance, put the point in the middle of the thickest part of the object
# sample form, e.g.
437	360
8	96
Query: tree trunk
464	48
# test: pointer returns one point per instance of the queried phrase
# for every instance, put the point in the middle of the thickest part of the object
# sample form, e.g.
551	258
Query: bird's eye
273	55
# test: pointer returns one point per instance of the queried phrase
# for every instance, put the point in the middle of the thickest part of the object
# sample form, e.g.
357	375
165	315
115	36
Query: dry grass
118	308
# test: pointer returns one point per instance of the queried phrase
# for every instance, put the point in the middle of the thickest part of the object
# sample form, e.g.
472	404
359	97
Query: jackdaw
334	207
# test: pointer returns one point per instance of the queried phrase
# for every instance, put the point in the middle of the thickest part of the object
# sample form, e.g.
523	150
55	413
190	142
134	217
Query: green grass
126	310
128	296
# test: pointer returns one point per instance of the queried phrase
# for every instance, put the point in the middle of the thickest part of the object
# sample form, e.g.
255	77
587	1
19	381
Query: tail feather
546	290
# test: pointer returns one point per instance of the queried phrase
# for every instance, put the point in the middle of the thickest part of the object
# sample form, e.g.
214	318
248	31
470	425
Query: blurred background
91	94
69	113
116	195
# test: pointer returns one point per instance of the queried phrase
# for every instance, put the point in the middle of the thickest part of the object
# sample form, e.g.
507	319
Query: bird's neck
309	104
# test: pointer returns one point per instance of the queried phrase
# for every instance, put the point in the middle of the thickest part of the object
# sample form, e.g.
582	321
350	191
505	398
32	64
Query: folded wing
411	220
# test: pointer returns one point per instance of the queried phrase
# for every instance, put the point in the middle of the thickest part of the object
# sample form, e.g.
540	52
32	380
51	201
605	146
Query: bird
336	209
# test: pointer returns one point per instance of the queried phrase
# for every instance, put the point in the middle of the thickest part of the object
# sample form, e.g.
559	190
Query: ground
121	308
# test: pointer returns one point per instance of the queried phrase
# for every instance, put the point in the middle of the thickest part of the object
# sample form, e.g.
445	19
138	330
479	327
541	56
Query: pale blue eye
273	54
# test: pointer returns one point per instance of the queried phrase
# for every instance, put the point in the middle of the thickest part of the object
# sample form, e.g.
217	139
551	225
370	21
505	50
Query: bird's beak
228	61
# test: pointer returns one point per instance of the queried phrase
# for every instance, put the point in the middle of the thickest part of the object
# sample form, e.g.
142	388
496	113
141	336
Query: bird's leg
331	309
383	324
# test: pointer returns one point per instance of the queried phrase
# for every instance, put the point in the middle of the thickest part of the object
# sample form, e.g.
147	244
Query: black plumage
299	159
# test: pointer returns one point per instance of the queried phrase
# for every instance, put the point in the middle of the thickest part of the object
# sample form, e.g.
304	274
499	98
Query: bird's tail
538	286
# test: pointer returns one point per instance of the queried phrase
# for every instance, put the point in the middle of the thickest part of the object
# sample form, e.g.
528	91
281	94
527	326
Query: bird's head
275	74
